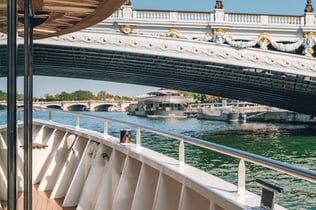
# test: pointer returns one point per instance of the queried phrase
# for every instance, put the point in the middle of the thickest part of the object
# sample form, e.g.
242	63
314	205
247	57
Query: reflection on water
295	144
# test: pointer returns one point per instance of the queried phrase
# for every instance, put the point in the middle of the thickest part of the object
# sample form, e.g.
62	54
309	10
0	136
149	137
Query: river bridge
261	58
267	59
82	105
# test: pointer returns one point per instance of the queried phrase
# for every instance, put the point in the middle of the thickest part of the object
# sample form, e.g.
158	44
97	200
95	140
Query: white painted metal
55	166
73	194
66	175
88	197
192	200
168	193
42	158
241	177
113	176
110	181
126	188
20	158
3	166
146	188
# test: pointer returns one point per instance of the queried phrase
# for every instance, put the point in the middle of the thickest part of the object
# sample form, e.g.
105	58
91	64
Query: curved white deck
90	170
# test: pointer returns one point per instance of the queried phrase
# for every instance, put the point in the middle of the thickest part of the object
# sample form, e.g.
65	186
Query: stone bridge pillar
91	106
63	106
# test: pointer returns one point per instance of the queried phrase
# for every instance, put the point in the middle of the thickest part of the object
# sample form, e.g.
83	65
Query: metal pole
28	103
11	120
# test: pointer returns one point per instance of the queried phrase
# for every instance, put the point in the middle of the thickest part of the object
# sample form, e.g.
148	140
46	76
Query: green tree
19	97
64	96
117	98
83	95
49	98
102	95
3	95
126	98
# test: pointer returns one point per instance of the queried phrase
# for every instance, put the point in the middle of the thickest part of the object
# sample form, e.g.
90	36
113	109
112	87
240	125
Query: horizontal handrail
302	173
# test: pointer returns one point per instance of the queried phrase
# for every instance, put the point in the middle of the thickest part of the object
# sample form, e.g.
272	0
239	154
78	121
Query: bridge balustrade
289	33
287	20
240	18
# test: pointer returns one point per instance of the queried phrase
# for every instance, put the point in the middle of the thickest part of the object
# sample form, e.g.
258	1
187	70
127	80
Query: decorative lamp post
309	6
219	11
219	4
128	3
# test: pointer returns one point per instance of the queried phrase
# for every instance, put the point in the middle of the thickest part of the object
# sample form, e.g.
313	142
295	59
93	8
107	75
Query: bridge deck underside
289	91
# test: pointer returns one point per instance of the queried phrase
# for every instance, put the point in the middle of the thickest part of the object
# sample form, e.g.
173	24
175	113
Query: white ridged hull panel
67	173
110	181
146	188
91	185
75	188
42	157
168	194
126	189
3	166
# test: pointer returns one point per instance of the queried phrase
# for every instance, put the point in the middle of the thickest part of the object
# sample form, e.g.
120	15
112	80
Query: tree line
74	96
103	95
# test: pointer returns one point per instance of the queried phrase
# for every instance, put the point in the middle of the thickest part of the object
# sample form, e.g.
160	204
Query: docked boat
161	104
76	168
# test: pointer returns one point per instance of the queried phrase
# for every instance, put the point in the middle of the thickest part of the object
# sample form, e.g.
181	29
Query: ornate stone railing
214	16
290	33
288	20
244	18
264	19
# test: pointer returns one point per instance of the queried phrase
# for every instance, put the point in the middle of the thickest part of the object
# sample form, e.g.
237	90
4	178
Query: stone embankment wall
283	116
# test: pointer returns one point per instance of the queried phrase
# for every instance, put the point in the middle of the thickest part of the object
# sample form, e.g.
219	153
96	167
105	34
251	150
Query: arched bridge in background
266	59
90	105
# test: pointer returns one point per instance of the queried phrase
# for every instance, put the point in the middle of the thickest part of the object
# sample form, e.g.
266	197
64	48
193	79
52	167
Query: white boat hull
92	171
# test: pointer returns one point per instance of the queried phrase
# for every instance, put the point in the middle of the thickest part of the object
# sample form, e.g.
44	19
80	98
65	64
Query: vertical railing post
11	98
181	153
19	115
241	177
138	137
28	21
50	115
77	122
173	16
105	128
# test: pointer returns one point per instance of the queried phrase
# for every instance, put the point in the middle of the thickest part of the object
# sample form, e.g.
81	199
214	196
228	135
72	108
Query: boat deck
40	201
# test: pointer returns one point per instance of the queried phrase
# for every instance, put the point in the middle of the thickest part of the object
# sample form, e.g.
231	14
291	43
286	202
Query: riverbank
253	113
282	116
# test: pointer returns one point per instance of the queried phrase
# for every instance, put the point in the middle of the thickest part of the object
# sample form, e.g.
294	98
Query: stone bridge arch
105	108
76	107
54	106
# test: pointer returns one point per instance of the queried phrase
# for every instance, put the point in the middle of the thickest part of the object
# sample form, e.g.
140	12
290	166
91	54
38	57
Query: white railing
195	16
238	18
152	15
243	18
302	173
284	20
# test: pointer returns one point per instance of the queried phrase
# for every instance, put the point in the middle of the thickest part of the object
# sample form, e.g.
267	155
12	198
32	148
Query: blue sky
248	6
47	85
